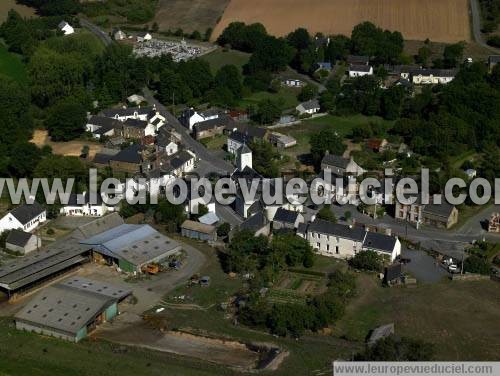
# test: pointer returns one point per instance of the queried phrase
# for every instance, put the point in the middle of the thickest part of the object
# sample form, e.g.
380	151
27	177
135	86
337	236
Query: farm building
71	309
199	231
26	217
287	219
432	76
131	247
22	242
80	205
282	141
212	127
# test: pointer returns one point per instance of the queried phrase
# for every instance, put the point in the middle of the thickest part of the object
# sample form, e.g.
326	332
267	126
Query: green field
218	58
11	65
342	125
460	318
286	96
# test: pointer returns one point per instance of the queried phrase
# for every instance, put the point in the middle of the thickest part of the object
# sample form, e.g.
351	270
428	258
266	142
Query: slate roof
103	121
27	212
254	223
356	59
180	158
221	121
130	154
310	105
18	237
286	216
101	158
443	210
244	149
335	229
359	68
435	72
380	242
130	111
135	123
335	160
393	272
73	199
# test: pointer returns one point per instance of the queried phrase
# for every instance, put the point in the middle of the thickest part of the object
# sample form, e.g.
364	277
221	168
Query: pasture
439	20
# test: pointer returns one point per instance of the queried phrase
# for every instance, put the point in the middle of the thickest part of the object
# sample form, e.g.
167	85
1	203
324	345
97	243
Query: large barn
132	247
72	309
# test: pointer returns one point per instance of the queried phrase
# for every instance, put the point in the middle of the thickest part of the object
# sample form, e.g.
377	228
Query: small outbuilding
198	231
22	242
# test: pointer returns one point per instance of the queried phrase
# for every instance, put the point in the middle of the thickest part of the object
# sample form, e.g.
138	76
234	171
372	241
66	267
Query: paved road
215	164
102	35
476	26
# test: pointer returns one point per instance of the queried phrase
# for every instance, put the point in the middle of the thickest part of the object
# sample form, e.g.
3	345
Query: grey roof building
72	309
22	242
132	247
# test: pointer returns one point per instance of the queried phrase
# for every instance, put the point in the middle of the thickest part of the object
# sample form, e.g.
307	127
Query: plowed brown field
438	20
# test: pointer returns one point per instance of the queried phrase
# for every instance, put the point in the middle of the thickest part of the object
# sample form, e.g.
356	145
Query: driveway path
102	35
476	26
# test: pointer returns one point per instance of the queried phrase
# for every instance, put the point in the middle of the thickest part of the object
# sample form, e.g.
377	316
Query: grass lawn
218	58
343	125
12	66
215	143
287	96
460	318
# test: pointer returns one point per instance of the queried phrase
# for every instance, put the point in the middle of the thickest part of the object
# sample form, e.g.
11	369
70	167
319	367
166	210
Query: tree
229	77
292	250
477	264
326	140
397	350
223	230
370	40
197	75
299	39
167	213
268	110
25	157
245	249
326	214
66	120
347	216
423	55
264	159
272	55
308	92
452	55
367	260
172	87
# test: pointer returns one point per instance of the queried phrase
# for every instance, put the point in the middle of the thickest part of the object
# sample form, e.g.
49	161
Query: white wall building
66	28
26	217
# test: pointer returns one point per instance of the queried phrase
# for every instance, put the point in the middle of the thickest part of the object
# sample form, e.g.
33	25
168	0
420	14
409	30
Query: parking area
423	267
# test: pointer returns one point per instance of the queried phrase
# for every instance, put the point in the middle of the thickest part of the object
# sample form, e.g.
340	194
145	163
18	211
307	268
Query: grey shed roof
27	212
335	160
18	237
244	149
356	59
100	225
103	121
284	215
137	244
381	332
135	123
71	305
335	229
379	242
221	121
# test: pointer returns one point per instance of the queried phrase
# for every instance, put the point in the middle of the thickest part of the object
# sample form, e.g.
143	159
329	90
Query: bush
476	264
367	260
494	41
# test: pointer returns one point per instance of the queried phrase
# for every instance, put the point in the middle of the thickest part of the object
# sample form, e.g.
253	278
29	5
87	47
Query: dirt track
438	20
70	148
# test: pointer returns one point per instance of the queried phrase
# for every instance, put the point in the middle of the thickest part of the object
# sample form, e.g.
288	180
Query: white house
356	70
79	205
143	37
293	82
309	107
26	217
66	28
342	241
101	126
190	117
433	76
137	113
119	35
